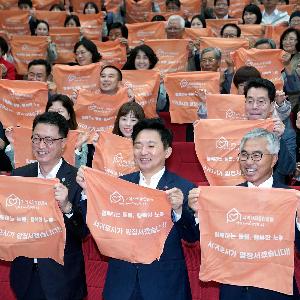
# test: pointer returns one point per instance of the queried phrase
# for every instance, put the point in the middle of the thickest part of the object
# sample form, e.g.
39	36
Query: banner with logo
26	48
216	25
112	52
96	111
91	25
65	39
31	223
70	79
139	32
196	33
172	55
145	87
181	88
21	101
217	144
267	61
15	21
23	147
137	11
130	222
225	106
114	155
247	236
225	45
53	18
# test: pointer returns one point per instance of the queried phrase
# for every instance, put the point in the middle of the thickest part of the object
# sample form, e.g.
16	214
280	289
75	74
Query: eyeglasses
290	39
208	60
173	29
259	102
221	5
255	156
229	35
47	140
82	53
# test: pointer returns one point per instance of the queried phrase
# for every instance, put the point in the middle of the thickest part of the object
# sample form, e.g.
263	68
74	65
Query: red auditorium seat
5	291
184	162
179	130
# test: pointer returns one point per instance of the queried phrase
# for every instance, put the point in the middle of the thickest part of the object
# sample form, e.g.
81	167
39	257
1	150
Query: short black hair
255	10
3	45
245	73
158	18
157	125
116	25
72	17
55	119
215	2
91	47
201	18
120	76
43	22
28	2
238	29
93	4
262	41
176	2
59	6
43	62
261	83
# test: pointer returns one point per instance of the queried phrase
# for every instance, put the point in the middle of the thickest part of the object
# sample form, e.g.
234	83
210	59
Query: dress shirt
276	17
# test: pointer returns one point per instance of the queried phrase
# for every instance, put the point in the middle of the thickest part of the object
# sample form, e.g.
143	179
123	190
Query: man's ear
168	152
274	161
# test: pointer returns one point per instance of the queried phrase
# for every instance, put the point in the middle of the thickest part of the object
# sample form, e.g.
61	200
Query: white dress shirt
276	17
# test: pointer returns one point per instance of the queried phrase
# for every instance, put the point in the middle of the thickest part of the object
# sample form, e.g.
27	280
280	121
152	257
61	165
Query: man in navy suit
167	277
258	155
41	279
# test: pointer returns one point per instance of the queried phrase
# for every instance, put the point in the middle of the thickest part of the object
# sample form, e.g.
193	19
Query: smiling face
141	61
109	81
249	17
58	107
149	152
174	30
126	124
208	62
289	42
83	56
41	30
257	172
221	9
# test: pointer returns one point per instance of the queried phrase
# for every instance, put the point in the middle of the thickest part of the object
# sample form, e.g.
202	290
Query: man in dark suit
167	277
41	279
258	155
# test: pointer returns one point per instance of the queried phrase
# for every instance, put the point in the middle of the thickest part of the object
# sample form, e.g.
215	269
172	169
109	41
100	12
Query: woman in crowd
251	14
42	29
72	21
7	68
90	8
294	18
86	52
64	106
230	31
198	21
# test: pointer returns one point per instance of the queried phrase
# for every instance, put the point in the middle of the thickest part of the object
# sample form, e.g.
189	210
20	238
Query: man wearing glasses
41	279
260	104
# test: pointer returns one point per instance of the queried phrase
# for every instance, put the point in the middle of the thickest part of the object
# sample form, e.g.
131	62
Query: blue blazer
163	279
230	292
58	282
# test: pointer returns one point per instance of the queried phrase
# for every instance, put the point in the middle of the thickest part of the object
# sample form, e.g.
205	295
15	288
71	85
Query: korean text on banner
53	18
96	111
15	21
267	61
225	106
71	79
21	101
247	236
145	86
181	89
217	145
27	48
114	155
139	32
172	54
130	222
31	223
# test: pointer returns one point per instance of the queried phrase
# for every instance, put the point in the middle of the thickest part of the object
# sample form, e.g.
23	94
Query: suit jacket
230	292
58	282
165	278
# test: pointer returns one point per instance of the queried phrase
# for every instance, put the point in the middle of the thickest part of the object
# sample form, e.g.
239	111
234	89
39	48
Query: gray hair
261	41
217	52
271	138
176	18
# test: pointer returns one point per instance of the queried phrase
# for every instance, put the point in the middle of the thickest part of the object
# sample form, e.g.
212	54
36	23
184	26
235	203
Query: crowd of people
267	159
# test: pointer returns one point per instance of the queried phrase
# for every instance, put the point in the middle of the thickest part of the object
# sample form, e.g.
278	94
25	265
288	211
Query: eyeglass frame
48	142
259	103
251	155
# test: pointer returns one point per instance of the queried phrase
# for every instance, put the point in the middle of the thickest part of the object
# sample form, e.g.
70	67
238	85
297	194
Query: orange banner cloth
130	222
222	106
275	32
21	101
113	5
23	151
114	155
252	32
216	24
53	18
31	223
69	79
225	45
145	86
15	21
247	236
91	25
165	14
112	52
43	4
139	32
24	49
196	33
9	4
236	8
217	144
190	7
181	88
172	55
137	11
96	111
267	61
65	39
